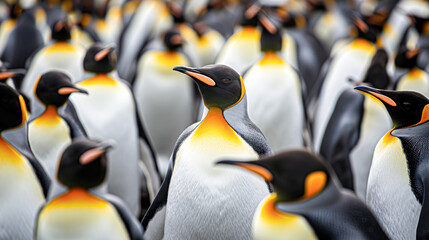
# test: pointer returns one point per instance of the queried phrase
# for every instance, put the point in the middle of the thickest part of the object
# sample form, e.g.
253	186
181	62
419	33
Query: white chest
389	194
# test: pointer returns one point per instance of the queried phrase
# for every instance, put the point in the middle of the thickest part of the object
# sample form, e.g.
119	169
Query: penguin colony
214	119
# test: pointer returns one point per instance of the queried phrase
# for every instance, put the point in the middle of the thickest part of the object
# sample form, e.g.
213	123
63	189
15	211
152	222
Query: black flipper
342	134
131	223
70	116
423	226
44	179
161	197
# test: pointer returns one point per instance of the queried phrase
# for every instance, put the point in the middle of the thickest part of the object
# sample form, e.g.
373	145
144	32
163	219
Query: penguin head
61	30
295	175
364	29
406	108
54	88
173	40
83	163
176	10
220	85
406	58
250	14
271	37
100	58
13	110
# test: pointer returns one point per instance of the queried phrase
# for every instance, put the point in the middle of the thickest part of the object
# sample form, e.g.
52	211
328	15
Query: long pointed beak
377	94
265	21
103	53
92	154
261	171
195	74
69	90
12	73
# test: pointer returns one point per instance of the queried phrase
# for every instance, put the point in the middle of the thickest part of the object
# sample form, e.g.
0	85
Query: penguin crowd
214	119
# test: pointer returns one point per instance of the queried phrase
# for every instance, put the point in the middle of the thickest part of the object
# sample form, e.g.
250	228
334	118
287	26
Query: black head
176	10
364	29
250	14
271	37
376	74
61	30
100	58
13	110
405	108
295	175
83	164
406	58
54	88
421	24
173	40
220	85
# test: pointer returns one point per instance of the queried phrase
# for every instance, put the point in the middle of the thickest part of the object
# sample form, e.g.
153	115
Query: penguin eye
226	80
407	105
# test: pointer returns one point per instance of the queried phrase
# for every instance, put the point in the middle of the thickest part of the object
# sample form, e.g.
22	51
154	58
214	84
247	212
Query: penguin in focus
60	54
308	201
198	199
109	111
154	79
23	182
397	183
357	123
275	98
51	132
79	213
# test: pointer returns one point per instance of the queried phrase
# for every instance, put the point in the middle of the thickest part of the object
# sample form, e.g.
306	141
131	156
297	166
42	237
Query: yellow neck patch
99	79
214	124
271	58
249	32
8	154
270	213
315	182
415	73
363	45
49	117
61	46
76	197
170	58
388	138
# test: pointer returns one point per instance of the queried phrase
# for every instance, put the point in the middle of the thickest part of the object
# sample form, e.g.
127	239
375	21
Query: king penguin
23	182
109	112
397	181
50	133
198	200
357	123
154	79
78	213
308	201
61	54
275	94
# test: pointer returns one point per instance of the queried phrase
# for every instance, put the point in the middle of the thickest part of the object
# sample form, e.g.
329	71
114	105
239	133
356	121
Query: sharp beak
94	153
377	94
194	73
412	53
261	171
103	53
69	90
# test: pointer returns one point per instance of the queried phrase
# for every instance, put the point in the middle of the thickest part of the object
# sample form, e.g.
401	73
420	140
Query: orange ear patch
314	183
202	78
258	170
23	109
385	99
425	114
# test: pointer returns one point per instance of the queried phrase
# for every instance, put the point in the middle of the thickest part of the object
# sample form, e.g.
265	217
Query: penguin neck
79	196
61	46
99	79
49	116
271	58
269	211
214	124
415	73
250	32
8	153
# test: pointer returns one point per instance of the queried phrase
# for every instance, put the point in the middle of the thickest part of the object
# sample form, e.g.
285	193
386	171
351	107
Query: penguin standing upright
275	100
23	182
109	111
198	200
357	123
155	79
60	54
397	183
8	24
50	133
308	201
242	49
78	213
